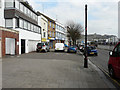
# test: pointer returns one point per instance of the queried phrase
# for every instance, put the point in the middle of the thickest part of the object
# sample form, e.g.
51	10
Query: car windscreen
91	48
40	44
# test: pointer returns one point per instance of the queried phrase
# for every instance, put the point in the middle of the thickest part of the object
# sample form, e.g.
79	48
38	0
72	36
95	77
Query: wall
0	50
28	36
8	34
2	20
45	27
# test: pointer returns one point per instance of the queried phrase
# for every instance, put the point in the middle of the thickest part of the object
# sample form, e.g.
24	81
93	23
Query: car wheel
96	54
37	50
111	72
67	51
45	50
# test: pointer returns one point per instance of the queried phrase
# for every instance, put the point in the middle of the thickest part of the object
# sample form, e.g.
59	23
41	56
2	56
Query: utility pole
85	59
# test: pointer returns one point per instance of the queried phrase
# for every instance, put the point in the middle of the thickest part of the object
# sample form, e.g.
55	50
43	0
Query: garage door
0	49
10	46
32	45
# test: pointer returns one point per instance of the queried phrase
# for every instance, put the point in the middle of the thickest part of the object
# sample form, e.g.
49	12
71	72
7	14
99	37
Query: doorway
22	46
10	46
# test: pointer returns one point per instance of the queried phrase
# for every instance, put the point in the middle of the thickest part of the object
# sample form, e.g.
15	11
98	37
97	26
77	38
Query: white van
59	47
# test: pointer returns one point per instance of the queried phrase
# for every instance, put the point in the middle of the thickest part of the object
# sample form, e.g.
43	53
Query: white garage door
0	49
10	46
32	45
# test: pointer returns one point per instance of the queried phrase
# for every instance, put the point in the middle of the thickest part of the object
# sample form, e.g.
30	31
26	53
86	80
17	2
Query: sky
102	14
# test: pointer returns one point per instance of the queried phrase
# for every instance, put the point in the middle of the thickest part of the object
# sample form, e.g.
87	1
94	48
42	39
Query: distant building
60	33
51	30
43	22
102	39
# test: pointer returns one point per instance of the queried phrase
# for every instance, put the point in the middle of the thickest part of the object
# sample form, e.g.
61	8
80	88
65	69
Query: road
51	70
101	60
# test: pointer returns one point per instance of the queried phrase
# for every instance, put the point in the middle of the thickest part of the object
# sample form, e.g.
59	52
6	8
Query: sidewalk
50	70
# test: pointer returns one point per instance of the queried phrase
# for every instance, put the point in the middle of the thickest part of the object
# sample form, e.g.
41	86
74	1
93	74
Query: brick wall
8	34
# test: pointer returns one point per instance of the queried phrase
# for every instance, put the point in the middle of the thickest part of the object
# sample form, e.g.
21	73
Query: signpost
85	52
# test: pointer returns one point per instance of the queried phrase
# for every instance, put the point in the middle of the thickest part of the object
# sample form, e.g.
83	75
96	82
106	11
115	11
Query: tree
74	31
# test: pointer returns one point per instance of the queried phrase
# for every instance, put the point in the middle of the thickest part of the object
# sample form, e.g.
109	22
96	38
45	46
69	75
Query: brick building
9	42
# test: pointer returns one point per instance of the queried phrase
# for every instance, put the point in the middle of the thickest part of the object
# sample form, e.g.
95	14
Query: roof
39	13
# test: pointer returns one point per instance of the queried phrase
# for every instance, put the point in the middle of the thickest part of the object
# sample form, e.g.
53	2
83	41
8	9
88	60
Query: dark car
91	50
114	62
72	49
43	47
81	48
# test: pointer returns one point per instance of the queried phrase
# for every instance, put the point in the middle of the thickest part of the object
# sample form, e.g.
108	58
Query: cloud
102	14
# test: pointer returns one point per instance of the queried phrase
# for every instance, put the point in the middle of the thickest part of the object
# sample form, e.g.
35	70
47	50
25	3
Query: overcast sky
102	14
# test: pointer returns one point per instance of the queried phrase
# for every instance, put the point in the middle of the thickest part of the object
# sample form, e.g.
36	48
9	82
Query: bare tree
74	31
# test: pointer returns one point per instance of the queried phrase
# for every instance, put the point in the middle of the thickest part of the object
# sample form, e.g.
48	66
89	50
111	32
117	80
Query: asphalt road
101	60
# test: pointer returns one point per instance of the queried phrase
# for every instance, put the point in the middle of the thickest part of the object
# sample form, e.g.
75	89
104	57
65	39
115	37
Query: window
53	34
32	28
9	23
21	7
25	10
44	34
17	4
9	3
17	22
21	23
39	30
50	23
53	25
28	26
50	33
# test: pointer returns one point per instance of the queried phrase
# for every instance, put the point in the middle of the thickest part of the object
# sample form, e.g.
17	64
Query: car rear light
39	46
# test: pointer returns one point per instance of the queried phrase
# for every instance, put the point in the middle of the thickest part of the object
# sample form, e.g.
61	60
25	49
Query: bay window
9	23
17	4
9	3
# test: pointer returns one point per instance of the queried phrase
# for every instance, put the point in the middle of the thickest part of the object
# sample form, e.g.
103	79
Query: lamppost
86	59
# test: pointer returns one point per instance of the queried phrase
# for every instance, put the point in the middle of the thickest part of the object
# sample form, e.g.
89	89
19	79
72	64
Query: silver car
43	47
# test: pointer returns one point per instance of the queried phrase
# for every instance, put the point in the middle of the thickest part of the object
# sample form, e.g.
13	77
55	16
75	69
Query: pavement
51	70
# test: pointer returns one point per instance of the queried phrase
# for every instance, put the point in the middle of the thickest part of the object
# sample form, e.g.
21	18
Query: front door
116	60
22	46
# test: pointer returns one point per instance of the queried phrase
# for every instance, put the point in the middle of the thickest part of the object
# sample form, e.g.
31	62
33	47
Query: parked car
114	62
43	47
72	49
59	47
81	48
66	45
91	50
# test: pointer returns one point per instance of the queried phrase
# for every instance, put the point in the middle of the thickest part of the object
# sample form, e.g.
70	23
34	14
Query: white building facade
60	33
43	22
19	16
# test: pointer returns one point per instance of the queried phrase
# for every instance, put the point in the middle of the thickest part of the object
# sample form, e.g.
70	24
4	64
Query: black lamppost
85	59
